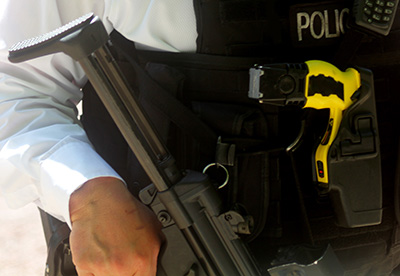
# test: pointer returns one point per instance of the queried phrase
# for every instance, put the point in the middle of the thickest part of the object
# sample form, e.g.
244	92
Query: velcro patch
318	24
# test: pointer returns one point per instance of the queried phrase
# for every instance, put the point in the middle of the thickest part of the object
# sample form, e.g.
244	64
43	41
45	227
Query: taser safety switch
347	160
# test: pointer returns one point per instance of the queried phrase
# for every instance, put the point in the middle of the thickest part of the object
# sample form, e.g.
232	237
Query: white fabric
44	153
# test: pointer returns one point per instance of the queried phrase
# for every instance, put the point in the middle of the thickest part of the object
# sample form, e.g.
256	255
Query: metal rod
110	68
98	78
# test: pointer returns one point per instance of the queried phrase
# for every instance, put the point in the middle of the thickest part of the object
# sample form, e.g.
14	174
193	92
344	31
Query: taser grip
346	84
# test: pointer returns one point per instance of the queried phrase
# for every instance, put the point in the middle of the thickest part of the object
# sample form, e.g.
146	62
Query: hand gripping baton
200	238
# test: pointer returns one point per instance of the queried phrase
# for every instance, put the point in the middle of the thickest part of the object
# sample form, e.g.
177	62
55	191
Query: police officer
47	158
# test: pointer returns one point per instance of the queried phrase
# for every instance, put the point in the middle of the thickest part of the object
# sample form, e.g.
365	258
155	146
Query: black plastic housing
355	184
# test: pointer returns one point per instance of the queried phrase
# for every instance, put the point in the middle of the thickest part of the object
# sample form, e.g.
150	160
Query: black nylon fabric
261	29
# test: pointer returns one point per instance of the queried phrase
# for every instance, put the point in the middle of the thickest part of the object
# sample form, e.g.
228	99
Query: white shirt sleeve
45	154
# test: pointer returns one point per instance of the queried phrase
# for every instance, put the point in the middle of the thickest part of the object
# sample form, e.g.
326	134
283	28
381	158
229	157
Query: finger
152	268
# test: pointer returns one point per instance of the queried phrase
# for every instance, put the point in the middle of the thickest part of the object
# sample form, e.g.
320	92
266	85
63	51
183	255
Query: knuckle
88	263
118	264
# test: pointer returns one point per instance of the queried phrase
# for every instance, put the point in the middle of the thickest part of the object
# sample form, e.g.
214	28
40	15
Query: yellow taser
337	99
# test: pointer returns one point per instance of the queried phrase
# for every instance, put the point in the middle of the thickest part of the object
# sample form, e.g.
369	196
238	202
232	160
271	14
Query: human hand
112	232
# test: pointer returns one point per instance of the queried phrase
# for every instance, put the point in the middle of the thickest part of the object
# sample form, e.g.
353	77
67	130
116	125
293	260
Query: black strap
175	110
348	48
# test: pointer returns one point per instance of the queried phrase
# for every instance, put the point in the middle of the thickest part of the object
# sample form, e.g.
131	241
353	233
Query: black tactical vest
250	138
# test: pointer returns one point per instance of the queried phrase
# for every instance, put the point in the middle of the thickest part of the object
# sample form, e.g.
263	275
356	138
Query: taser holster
346	161
354	162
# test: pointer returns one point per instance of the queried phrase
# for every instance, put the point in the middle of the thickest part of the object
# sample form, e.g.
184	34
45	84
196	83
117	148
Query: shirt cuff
65	169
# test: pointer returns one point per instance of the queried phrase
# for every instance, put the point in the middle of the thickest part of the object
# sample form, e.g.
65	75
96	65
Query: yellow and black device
346	161
326	87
